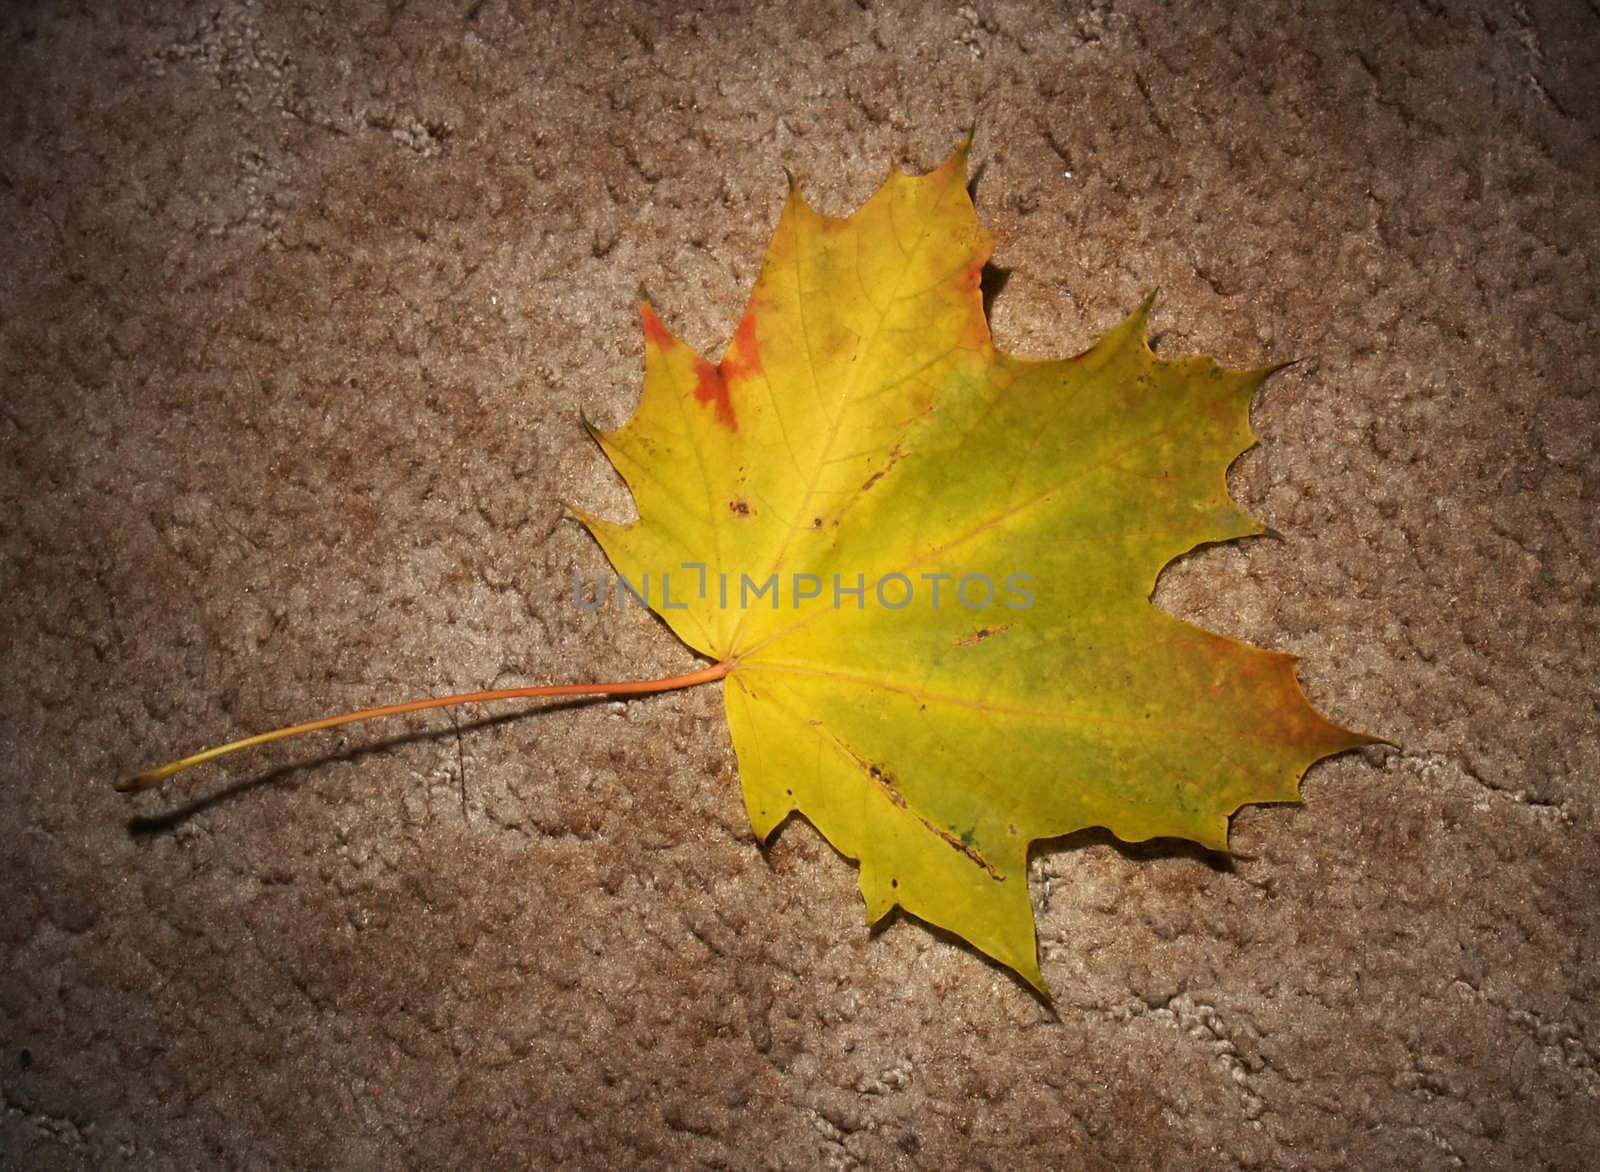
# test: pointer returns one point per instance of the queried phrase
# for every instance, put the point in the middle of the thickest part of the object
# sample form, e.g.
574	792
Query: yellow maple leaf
925	566
922	568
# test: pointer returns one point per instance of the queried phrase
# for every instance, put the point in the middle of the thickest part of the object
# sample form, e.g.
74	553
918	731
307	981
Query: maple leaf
924	566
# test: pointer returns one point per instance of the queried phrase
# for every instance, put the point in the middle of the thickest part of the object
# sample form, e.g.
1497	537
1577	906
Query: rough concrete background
300	312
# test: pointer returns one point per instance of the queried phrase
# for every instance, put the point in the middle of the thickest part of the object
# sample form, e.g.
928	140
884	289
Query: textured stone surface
299	314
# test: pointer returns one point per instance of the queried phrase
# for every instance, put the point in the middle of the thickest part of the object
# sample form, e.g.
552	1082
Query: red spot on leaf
971	279
743	359
655	332
709	385
976	335
713	390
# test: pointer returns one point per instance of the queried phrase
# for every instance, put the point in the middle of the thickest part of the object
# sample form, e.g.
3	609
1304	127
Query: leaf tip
1266	372
1035	979
1350	739
964	148
1141	315
1025	964
655	333
1214	835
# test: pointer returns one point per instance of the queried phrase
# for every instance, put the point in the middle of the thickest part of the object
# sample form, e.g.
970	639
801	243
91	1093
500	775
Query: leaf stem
154	777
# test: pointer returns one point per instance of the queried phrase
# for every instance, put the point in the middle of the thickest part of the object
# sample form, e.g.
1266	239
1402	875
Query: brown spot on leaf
886	783
741	508
982	633
894	458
